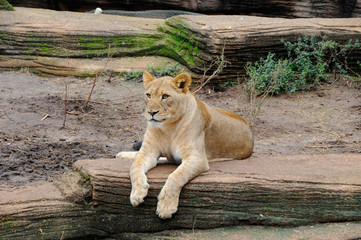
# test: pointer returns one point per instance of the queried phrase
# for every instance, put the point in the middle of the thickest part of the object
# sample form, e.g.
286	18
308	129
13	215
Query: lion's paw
167	204
126	155
139	191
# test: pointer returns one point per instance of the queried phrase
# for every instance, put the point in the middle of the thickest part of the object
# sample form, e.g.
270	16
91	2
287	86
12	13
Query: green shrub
308	62
5	5
270	74
165	71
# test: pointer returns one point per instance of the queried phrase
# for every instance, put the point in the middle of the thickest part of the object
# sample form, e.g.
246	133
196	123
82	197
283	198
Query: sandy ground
35	145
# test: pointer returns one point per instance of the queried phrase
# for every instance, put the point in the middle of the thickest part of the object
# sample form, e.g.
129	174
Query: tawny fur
184	130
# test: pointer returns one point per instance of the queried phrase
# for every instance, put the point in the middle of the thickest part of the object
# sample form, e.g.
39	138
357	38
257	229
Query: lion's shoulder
206	115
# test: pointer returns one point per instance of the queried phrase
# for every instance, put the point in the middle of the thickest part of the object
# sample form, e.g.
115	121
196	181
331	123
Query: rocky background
269	8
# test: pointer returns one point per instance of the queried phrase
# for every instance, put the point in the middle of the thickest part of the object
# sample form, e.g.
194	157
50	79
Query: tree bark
92	201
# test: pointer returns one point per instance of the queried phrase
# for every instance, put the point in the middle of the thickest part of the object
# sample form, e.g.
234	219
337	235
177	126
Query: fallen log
92	201
194	41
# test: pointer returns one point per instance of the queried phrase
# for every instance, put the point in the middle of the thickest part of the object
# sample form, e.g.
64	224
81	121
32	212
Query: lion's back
228	135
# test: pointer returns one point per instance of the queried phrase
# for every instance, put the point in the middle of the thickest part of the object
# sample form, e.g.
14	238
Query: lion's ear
147	78
183	81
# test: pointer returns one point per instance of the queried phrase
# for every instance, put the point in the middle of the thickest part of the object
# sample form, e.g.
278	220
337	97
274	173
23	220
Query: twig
329	132
258	98
110	77
194	223
91	92
97	75
325	146
65	103
7	116
20	150
45	117
220	62
78	100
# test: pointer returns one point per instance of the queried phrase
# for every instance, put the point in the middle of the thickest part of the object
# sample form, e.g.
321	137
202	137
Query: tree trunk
93	199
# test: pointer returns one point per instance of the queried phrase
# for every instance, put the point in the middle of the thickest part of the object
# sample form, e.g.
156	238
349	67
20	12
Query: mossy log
194	41
92	201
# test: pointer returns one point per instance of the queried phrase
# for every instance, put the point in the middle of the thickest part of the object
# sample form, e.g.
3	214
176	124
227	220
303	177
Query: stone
266	8
93	199
37	38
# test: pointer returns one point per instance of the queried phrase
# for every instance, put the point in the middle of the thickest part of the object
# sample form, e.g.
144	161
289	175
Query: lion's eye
148	95
165	96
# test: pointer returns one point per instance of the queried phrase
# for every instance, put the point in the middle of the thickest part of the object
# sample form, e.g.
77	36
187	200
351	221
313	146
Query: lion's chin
155	123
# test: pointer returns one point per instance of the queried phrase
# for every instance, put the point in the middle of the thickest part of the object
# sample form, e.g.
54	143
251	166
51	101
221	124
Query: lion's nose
152	113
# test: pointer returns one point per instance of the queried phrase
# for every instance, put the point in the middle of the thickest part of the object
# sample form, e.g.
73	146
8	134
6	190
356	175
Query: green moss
5	5
173	39
34	45
131	45
89	46
181	41
91	42
85	175
6	223
44	51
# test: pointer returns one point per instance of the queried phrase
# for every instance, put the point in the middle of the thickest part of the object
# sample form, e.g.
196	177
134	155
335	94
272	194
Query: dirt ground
35	146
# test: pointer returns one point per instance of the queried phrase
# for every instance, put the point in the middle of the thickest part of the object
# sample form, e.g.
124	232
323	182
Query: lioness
185	130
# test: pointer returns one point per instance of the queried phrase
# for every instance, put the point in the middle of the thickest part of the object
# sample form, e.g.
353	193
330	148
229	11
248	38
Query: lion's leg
143	162
221	159
169	196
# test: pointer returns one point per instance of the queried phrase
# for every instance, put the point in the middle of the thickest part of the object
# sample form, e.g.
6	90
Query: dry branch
65	103
5	113
90	93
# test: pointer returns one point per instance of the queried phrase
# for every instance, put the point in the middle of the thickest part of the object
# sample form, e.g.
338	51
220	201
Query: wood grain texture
93	199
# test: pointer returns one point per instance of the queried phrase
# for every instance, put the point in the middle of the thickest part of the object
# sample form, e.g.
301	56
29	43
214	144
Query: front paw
167	203
139	190
126	155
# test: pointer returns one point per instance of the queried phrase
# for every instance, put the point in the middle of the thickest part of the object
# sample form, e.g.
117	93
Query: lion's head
165	98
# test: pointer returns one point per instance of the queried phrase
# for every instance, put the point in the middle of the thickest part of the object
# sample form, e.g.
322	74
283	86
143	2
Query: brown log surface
93	200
